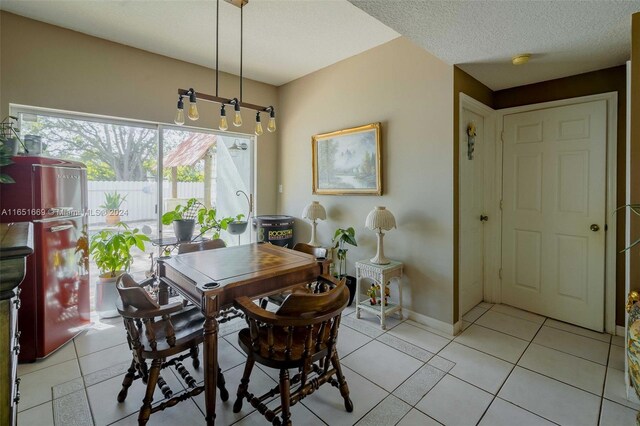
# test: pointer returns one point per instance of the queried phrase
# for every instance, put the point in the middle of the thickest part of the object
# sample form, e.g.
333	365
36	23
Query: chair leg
244	385
145	410
285	399
126	382
144	371
344	388
194	356
224	393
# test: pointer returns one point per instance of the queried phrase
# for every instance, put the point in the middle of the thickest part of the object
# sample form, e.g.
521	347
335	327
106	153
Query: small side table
381	275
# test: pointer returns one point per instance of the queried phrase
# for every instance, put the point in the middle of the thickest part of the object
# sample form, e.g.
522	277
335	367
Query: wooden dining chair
301	334
320	254
166	335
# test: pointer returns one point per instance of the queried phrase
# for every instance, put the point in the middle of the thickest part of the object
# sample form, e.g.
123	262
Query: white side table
381	275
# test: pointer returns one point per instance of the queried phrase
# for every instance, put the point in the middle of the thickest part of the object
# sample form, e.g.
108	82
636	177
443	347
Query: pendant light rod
221	100
241	29
217	39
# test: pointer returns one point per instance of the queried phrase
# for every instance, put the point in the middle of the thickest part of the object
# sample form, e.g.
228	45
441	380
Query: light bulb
237	119
271	126
179	120
223	123
193	111
258	130
223	119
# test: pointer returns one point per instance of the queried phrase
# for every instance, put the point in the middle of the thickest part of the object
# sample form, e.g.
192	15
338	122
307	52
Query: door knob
484	218
594	228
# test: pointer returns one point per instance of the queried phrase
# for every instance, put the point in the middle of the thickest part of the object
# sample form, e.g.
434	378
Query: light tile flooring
508	367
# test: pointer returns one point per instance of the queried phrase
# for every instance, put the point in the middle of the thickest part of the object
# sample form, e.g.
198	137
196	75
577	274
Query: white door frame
490	196
610	219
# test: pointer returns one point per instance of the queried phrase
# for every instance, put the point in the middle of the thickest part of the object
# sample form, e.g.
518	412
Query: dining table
213	279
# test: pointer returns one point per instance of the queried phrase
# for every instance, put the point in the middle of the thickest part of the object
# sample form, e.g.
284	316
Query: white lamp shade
380	218
314	211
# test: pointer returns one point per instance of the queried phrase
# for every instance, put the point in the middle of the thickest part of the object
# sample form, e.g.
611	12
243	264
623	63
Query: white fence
141	197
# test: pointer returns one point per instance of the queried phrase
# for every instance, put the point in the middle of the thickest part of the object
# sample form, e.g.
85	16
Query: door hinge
156	209
502	136
606	227
500	204
500	273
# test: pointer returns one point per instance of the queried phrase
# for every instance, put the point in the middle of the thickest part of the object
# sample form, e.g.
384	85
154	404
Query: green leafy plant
111	249
208	221
113	201
340	238
179	212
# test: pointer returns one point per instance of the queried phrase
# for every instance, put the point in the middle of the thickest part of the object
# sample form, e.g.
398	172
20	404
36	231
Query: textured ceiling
566	37
283	39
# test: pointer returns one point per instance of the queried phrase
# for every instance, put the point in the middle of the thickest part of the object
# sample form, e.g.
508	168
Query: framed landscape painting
347	162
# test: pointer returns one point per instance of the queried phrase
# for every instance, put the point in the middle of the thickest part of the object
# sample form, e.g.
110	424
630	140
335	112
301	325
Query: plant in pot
111	250
183	218
208	221
112	203
340	238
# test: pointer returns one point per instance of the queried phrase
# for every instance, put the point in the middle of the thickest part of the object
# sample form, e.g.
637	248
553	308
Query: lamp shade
314	211
380	218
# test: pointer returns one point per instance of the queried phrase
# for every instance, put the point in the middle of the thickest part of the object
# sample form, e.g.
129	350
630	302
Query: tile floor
508	367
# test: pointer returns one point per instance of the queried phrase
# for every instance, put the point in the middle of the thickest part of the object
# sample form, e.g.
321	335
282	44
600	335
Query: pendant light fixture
237	103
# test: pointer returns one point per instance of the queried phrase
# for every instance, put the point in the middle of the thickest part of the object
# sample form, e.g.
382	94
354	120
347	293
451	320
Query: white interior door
471	282
554	177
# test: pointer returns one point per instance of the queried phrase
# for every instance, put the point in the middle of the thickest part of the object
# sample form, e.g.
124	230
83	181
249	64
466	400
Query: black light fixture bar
221	100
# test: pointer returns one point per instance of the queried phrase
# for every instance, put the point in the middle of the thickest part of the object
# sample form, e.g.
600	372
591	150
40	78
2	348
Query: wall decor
348	162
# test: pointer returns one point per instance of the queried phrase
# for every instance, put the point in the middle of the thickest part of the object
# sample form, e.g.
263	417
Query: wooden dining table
213	279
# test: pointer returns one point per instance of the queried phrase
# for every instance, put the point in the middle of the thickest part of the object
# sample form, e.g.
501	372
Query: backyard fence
141	200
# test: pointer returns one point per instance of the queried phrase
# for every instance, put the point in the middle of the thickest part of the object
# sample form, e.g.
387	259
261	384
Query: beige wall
47	66
409	92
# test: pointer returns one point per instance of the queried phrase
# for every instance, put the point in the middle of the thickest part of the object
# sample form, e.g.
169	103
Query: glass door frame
17	110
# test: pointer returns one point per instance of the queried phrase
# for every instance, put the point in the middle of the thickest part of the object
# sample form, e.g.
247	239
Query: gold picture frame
348	162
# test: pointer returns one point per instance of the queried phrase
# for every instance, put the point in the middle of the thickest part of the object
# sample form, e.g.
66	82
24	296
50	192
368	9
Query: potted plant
208	221
112	203
237	226
340	238
183	219
111	250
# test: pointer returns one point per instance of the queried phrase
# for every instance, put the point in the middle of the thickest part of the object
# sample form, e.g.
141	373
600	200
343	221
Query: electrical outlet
280	188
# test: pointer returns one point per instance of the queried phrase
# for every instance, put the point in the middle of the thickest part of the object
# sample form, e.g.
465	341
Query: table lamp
380	219
313	212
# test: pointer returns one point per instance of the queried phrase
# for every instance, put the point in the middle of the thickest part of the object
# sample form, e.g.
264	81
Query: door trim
491	265
611	185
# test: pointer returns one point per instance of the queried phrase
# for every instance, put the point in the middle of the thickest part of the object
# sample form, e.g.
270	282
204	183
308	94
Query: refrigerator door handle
60	228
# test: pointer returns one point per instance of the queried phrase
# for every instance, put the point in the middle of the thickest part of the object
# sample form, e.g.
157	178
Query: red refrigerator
54	295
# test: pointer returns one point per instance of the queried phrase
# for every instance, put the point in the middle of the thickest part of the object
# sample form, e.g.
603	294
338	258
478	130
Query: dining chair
301	334
320	254
201	246
166	335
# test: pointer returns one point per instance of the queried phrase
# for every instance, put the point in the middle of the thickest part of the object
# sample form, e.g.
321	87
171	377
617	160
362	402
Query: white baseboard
450	329
619	330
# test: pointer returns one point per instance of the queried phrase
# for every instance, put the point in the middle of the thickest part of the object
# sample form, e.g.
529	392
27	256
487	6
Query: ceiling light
521	59
236	102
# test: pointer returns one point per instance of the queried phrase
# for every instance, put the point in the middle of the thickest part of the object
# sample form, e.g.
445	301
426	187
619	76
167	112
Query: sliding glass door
214	168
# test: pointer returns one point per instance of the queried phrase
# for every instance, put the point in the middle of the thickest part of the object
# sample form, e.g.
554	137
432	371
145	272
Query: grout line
507	378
